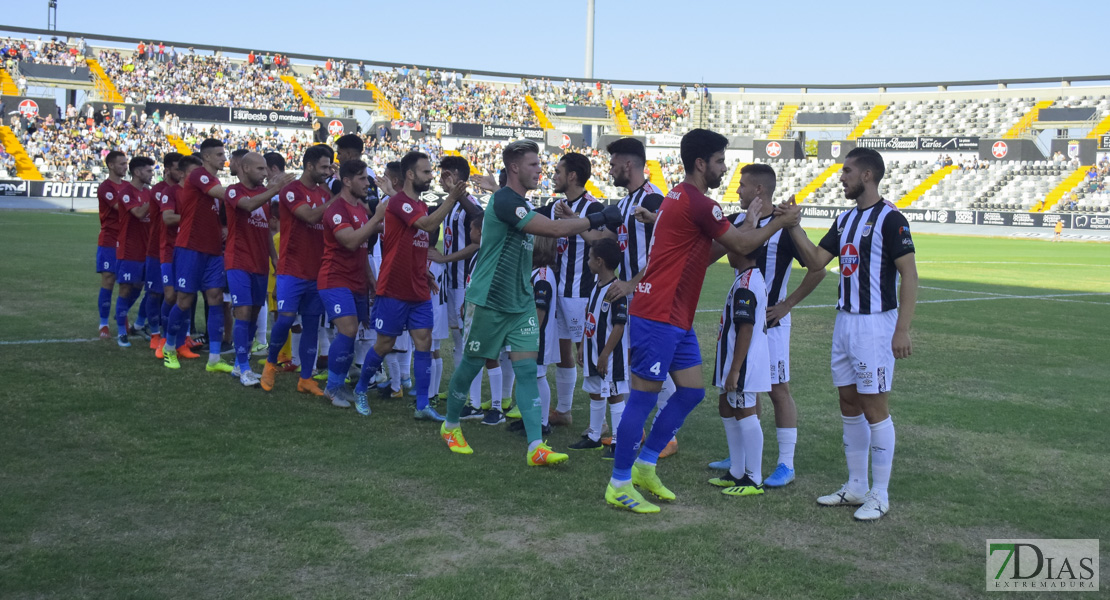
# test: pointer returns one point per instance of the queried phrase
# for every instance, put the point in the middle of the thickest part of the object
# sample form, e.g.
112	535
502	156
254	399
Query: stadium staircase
24	167
179	144
783	122
930	181
867	121
105	90
384	105
1068	184
619	118
541	117
655	175
594	190
7	85
301	93
731	195
816	184
1101	129
1027	121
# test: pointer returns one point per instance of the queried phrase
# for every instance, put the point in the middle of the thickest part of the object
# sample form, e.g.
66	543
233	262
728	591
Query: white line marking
995	297
1005	262
26	342
940	289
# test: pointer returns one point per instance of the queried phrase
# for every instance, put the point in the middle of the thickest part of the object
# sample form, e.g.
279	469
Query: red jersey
133	231
169	232
154	242
200	227
342	267
248	233
403	275
107	195
687	224
302	244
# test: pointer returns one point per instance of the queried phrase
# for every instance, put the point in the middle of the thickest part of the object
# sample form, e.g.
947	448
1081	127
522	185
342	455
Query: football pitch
120	479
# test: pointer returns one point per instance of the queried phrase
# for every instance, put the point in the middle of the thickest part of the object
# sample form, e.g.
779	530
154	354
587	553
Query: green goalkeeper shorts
487	331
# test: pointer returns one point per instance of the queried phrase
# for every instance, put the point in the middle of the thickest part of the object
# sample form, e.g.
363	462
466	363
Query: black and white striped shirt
543	289
774	263
745	304
575	279
868	242
601	318
456	236
633	236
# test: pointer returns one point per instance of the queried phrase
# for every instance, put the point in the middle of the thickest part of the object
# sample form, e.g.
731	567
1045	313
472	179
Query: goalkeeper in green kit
500	307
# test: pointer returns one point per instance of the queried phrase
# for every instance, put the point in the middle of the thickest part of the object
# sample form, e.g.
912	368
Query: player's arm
899	245
746	241
744	305
140	210
537	224
430	222
562	211
253	202
218	192
351	238
273	252
813	277
170	217
311	215
718	251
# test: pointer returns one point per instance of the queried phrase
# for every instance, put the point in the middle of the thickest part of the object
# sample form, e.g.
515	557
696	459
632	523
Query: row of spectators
450	99
655	112
39	51
568	92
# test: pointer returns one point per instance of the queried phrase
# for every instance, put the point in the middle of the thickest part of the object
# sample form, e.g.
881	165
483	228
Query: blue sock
176	330
104	305
278	335
669	421
422	367
140	321
310	335
241	336
154	311
215	328
166	308
635	415
340	357
370	366
123	305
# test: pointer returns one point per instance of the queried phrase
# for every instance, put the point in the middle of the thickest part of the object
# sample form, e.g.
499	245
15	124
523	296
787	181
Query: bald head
252	170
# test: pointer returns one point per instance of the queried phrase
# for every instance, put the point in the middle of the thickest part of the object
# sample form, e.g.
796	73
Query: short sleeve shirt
500	280
200	229
169	232
107	196
404	270
133	231
343	268
302	244
154	240
248	233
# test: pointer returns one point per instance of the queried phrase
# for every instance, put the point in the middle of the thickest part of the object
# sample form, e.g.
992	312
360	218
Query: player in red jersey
154	295
134	231
661	314
107	195
198	256
344	281
300	209
402	299
170	221
248	252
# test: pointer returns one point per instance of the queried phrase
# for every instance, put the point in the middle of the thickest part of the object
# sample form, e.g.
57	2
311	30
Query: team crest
448	236
866	230
604	306
336	219
521	212
717	214
1073	149
289	196
110	196
834	150
231	193
204	179
407	208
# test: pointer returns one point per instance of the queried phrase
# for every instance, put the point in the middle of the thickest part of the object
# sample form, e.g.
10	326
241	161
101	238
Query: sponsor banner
14	187
189	112
587	112
1104	142
271	118
669	140
34	71
1101	221
922	144
1080	148
410	125
225	114
337	125
1016	149
28	107
496	132
55	189
781	149
979	217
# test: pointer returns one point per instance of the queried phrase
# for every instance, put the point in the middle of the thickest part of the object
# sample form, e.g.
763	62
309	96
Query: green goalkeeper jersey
501	276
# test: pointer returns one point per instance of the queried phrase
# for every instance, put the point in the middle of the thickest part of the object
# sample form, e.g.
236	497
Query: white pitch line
940	289
995	297
26	342
1005	262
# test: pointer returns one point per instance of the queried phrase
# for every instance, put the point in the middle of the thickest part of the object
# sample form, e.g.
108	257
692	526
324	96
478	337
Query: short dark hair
351	168
868	159
578	164
210	143
273	159
516	151
315	152
350	141
171	159
139	162
112	156
458	164
240	153
763	171
393	166
409	160
629	146
700	143
191	159
502	177
608	250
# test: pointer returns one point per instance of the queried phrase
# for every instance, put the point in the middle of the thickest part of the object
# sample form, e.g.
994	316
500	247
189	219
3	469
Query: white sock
326	335
597	419
294	345
392	361
545	398
405	360
533	445
437	377
753	447
457	353
566	378
615	412
262	324
857	444
213	358
882	457
495	386
618	482
362	346
735	446
507	376
476	391
787	438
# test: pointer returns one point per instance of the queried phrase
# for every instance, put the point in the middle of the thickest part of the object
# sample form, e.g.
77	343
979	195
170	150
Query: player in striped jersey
575	280
605	347
740	372
875	248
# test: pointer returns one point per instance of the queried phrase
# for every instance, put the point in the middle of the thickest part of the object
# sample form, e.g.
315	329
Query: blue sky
860	41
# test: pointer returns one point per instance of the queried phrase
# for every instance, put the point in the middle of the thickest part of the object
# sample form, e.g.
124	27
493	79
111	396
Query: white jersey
775	263
601	318
745	304
439	302
633	236
544	285
575	278
868	242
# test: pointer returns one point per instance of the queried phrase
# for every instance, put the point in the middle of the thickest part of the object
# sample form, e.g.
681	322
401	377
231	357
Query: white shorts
603	387
570	318
455	299
778	343
440	330
740	399
861	352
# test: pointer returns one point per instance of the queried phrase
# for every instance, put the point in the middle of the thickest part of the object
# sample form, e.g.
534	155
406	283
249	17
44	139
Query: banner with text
920	144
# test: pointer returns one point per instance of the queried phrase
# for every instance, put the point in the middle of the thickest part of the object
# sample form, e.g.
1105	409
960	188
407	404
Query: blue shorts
130	272
342	302
296	295
167	275
105	260
660	348
197	271
392	316
246	288
153	275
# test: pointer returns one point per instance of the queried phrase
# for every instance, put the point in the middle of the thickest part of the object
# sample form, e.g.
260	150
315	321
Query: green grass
120	479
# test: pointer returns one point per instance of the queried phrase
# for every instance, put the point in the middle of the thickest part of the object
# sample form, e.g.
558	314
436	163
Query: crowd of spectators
424	96
48	52
568	92
191	78
326	80
656	112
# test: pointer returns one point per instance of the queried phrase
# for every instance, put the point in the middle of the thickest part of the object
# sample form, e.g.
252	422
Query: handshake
610	215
